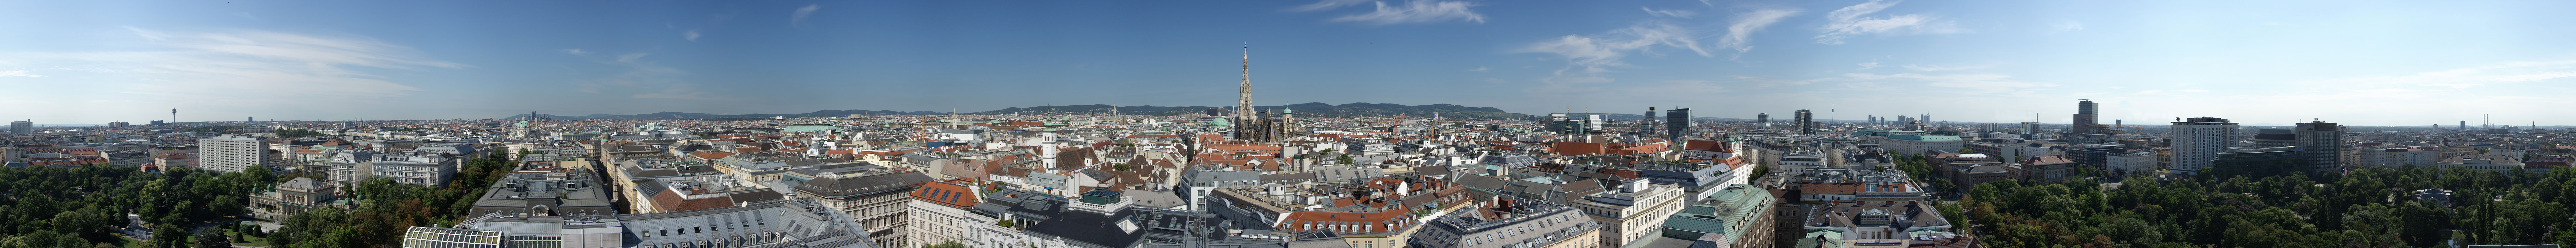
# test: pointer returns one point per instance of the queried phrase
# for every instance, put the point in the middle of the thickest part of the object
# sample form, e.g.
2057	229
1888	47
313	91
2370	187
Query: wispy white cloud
2503	73
576	51
1669	12
1739	32
2066	26
1980	83
1595	53
2148	92
1479	68
1854	20
1867	65
1327	4
640	78
1946	68
692	35
18	74
1417	11
2194	90
280	64
798	19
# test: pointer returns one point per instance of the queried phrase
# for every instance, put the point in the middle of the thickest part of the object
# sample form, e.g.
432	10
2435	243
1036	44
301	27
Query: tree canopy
2367	207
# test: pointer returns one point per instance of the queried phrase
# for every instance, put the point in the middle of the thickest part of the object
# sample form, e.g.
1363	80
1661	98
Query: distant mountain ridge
1315	109
687	115
1312	109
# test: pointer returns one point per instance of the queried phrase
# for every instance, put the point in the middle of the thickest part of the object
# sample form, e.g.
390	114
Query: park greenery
86	206
2365	207
386	208
83	207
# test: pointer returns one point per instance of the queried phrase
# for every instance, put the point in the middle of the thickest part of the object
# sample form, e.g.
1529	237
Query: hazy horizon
2377	63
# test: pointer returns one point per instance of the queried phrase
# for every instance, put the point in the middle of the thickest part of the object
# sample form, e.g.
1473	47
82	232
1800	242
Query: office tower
1647	125
22	128
117	124
2322	142
1559	122
250	119
2197	142
2274	138
2464	124
1925	118
1593	123
1763	121
232	153
1677	122
2028	128
2086	114
1806	122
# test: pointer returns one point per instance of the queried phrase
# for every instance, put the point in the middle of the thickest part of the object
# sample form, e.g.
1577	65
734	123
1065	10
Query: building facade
232	153
1634	213
2198	141
774	223
877	202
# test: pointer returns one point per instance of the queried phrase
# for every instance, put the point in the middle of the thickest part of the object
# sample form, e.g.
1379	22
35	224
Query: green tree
211	238
946	244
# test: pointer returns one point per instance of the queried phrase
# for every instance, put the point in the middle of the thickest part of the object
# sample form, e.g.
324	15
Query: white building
772	223
2132	162
2399	156
1633	213
939	214
22	128
232	153
2197	142
414	167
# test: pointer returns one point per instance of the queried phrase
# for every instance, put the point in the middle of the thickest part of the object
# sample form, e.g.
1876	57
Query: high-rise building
2087	116
2198	141
1805	121
1647	125
118	124
1677	122
250	119
2322	142
232	153
1763	121
1592	122
22	128
1560	122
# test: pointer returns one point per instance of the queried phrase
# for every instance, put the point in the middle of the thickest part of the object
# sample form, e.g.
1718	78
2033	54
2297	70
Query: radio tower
174	115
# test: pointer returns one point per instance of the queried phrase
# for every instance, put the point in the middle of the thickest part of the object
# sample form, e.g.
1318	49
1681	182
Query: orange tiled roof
946	194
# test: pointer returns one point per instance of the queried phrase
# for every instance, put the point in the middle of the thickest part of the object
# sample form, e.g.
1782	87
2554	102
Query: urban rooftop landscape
1323	124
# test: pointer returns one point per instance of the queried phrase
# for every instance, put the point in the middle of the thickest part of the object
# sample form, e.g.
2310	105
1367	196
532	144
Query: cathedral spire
1243	102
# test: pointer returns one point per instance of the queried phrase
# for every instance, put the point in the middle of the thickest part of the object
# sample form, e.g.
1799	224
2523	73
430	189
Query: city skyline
2275	63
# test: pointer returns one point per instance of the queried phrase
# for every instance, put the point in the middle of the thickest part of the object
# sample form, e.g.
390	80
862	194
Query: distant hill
687	115
1314	109
1101	109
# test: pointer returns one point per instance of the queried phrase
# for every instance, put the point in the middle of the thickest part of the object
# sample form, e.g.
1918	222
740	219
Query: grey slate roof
851	186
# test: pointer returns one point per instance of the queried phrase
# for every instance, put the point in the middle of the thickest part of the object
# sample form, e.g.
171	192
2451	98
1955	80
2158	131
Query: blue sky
2356	62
